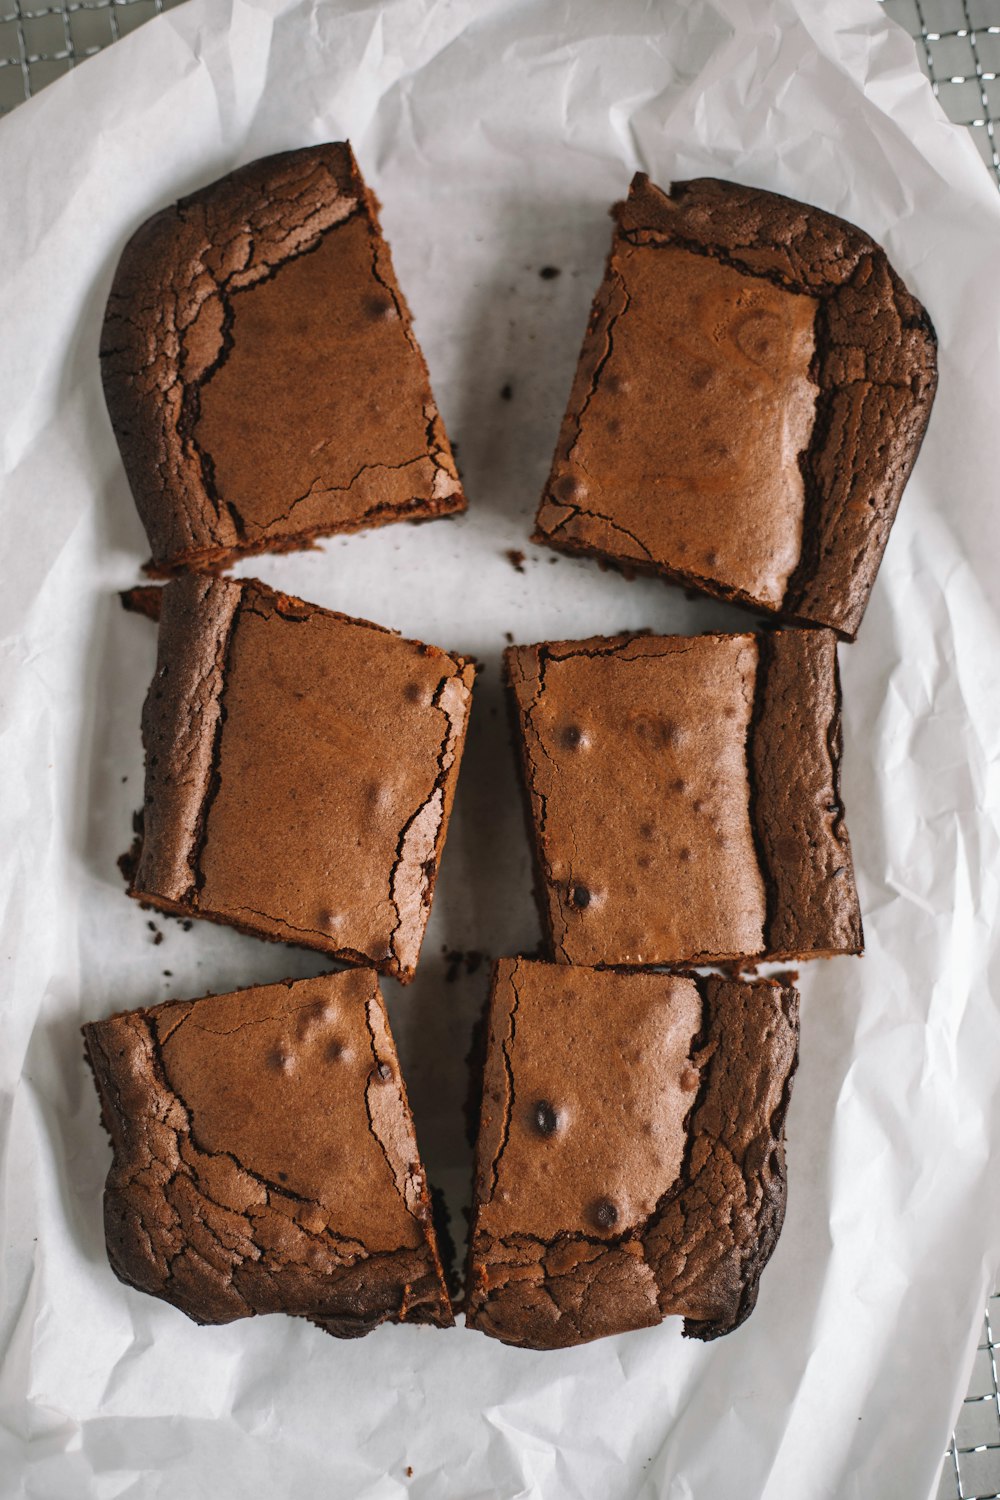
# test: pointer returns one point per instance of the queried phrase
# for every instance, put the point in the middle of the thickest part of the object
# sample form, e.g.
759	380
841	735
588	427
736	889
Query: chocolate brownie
630	1163
265	1160
684	797
261	371
752	394
300	771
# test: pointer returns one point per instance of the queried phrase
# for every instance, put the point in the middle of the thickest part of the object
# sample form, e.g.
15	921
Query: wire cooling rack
958	44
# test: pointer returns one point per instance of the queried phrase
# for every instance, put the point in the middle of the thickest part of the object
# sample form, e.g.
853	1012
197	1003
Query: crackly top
263	1147
752	392
630	1156
685	798
300	770
261	371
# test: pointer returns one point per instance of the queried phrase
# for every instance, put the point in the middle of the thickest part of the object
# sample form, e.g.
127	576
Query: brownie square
300	771
751	396
261	371
630	1164
265	1158
684	799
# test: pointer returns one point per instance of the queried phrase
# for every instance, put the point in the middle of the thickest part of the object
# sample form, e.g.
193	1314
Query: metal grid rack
958	44
40	42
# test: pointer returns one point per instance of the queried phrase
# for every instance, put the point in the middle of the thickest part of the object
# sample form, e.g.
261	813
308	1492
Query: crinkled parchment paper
497	132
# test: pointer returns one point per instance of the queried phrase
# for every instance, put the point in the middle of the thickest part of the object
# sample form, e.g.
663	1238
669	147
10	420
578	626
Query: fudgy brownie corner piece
300	771
630	1163
265	1158
261	372
752	393
684	797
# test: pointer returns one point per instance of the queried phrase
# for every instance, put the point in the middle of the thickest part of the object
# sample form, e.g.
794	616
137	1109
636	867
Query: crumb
507	392
454	448
187	924
549	273
124	779
508	638
409	1471
516	558
168	973
128	862
553	559
144	599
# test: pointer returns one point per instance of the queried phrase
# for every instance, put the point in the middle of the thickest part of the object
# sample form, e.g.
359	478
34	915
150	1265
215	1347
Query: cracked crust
265	1159
261	372
630	1162
300	771
838	384
683	797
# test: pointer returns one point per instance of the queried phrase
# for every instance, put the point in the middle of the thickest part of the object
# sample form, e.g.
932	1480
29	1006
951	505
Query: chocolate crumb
143	599
549	273
516	558
605	1213
507	392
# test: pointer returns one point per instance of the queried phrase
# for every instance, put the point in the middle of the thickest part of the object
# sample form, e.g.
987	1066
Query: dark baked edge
812	908
843	538
175	808
430	1302
172	482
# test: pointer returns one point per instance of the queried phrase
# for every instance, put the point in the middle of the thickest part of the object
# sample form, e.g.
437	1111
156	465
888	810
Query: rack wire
39	43
958	45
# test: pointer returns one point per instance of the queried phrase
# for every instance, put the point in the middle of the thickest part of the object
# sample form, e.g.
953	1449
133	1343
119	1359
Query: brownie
300	771
630	1163
265	1159
684	798
751	396
261	371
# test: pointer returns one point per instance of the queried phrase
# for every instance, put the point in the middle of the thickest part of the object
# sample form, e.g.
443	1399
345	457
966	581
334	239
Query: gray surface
958	44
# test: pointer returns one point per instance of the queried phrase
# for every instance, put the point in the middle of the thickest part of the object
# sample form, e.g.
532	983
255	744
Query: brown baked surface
265	1159
752	393
630	1162
683	797
261	371
300	771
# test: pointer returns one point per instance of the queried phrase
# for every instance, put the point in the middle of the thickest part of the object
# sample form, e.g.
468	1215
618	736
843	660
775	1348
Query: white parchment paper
497	132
